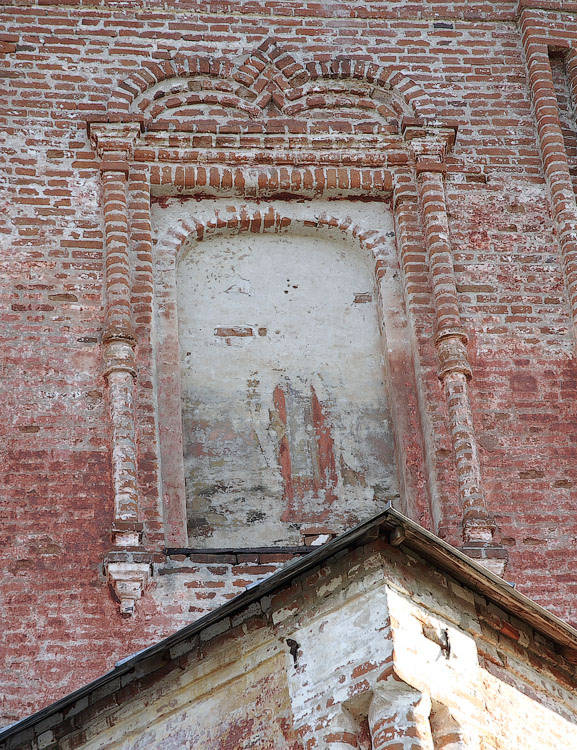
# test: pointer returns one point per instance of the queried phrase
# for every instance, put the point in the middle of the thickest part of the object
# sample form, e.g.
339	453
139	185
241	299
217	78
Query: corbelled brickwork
424	139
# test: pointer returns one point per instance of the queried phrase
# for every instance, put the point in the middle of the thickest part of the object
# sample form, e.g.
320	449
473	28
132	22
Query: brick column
118	351
342	733
450	337
553	154
127	576
399	718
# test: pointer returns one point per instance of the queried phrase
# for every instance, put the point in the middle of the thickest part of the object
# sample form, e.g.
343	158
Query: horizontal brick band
256	181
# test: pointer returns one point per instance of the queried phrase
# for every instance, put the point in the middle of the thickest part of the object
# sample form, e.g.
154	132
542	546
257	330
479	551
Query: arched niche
285	419
272	128
278	360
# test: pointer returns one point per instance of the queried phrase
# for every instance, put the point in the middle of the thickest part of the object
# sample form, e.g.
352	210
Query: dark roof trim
409	534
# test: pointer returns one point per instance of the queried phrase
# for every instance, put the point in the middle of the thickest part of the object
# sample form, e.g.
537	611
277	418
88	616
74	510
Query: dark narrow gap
567	113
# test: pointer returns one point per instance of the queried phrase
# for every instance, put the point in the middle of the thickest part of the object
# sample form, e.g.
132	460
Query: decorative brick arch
150	74
271	220
403	160
406	93
266	73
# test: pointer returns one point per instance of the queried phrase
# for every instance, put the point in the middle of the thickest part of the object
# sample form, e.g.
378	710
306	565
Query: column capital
399	712
430	145
114	141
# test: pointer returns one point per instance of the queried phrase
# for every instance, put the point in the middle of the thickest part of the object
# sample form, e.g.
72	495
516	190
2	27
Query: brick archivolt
268	219
191	94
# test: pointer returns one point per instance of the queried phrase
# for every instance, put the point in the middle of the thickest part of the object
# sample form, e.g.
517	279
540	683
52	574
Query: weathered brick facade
376	647
155	157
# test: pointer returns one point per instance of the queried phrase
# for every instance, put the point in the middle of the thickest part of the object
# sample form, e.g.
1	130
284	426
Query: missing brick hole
557	51
294	650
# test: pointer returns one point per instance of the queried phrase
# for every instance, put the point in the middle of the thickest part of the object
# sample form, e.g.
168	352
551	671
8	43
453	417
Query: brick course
511	220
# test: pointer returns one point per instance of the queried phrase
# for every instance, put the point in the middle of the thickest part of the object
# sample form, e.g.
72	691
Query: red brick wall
61	64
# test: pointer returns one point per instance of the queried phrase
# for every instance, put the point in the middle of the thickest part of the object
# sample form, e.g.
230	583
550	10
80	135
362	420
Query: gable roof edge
402	533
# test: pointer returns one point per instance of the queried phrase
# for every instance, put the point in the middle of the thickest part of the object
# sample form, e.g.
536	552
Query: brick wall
512	261
372	649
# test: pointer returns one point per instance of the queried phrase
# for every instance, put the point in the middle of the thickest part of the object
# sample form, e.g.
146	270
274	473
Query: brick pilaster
455	371
553	153
413	263
114	146
118	351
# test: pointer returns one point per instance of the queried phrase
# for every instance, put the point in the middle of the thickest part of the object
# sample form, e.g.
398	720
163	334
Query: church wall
62	63
337	657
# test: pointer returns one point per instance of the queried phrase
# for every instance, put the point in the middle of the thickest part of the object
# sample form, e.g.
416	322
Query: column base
494	557
127	534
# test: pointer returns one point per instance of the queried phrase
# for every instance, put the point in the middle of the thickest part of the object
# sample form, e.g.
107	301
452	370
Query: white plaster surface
285	416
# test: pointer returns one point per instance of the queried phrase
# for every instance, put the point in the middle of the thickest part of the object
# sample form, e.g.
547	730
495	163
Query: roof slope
401	532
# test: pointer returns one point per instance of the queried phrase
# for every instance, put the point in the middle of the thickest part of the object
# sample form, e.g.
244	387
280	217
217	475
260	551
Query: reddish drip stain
286	472
325	450
324	479
284	456
280	403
